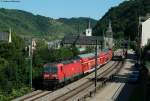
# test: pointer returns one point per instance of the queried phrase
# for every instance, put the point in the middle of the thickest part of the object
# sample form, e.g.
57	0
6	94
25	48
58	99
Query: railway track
37	96
88	88
32	95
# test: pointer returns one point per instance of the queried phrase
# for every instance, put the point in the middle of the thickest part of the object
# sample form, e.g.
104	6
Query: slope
124	18
27	24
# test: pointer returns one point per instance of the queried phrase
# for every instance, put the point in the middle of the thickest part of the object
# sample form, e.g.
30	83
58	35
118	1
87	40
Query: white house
145	32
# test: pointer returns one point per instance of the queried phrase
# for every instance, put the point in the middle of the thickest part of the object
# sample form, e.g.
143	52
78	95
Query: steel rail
39	94
85	85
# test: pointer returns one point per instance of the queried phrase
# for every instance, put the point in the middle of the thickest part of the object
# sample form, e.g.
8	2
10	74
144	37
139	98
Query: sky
63	8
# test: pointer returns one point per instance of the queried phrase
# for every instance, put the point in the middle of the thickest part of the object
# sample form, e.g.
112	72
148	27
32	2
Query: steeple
109	36
89	29
109	32
89	24
9	38
104	38
110	28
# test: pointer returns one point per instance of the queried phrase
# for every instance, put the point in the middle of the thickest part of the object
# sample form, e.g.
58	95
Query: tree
124	19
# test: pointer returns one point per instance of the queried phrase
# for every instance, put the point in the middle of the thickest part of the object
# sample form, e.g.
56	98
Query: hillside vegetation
124	18
26	24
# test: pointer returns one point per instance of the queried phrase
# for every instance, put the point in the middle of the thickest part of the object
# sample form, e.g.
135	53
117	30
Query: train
64	71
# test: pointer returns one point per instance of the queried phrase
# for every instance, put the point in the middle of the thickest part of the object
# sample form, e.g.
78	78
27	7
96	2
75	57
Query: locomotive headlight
55	75
46	75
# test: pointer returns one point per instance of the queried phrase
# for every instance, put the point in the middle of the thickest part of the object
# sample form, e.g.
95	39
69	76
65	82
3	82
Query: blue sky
64	8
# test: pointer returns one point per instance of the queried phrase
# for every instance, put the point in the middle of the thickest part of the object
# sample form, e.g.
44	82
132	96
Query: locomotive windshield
51	69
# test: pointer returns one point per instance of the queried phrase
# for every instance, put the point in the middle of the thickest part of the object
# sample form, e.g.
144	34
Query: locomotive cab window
50	69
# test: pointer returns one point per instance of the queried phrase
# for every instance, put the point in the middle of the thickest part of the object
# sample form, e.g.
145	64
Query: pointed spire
109	36
88	31
110	26
9	39
109	32
89	23
104	39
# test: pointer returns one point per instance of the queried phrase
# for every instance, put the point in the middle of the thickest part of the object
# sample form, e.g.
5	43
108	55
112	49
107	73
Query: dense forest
28	24
124	18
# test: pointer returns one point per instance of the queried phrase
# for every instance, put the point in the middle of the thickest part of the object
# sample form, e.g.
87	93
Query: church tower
109	36
88	31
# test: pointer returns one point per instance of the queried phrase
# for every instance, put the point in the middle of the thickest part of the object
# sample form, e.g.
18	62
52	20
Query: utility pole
30	65
96	66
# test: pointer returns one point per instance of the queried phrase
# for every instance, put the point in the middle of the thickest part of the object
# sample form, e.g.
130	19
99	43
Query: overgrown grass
14	94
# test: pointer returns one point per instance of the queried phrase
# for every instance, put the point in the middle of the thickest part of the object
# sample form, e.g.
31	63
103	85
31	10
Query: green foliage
79	24
13	71
15	93
26	24
43	55
124	18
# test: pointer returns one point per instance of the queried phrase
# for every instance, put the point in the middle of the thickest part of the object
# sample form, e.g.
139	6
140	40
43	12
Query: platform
114	90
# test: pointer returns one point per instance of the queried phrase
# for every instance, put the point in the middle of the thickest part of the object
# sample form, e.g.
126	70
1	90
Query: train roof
69	61
64	61
86	55
105	50
92	54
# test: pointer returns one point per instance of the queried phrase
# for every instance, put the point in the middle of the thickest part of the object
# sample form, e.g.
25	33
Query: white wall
145	32
88	32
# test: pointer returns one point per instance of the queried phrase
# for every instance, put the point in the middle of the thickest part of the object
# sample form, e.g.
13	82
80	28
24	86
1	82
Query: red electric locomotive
60	72
56	73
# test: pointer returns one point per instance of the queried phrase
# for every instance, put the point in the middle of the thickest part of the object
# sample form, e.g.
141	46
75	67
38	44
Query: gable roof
82	40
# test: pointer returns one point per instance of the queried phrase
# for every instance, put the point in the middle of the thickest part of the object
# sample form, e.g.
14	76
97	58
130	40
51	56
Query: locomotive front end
50	75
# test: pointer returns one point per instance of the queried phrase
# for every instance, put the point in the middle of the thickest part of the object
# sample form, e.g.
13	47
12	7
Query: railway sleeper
103	83
88	94
92	92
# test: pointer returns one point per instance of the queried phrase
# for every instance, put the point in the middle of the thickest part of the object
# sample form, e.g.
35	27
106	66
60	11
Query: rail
42	94
114	97
88	86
